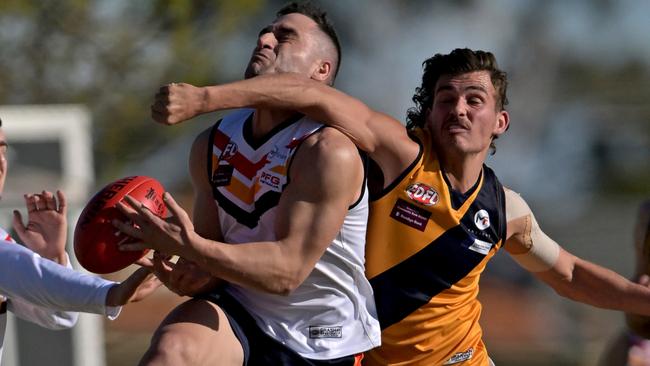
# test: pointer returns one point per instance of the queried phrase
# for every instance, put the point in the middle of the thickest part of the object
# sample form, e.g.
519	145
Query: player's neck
265	120
462	171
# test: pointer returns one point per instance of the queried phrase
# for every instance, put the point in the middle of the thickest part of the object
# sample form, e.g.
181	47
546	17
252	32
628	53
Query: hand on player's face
170	235
177	102
46	228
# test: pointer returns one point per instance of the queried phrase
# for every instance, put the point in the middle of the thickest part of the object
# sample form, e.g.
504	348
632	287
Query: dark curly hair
459	61
319	16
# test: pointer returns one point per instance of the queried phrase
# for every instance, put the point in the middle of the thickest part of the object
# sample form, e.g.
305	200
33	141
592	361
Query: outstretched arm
309	215
384	138
568	275
42	291
641	324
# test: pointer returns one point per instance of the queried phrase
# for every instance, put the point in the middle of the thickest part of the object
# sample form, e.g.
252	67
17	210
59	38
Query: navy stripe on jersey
407	286
404	288
266	202
491	198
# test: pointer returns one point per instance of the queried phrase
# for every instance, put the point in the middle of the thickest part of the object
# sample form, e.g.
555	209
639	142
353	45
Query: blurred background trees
112	56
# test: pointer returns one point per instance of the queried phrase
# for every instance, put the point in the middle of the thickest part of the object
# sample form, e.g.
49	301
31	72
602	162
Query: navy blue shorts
266	350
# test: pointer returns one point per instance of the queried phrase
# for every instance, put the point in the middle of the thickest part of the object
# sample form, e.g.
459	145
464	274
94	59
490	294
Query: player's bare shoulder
201	142
329	147
198	158
328	159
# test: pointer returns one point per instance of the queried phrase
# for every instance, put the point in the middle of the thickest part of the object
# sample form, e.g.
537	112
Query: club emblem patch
229	151
482	220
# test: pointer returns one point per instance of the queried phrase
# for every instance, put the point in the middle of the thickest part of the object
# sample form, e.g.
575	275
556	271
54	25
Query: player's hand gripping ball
96	239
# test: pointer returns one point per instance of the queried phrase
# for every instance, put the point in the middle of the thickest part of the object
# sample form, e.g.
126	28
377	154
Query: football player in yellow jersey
438	213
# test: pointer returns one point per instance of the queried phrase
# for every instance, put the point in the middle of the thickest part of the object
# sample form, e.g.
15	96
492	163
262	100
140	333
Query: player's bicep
325	180
528	245
206	217
383	137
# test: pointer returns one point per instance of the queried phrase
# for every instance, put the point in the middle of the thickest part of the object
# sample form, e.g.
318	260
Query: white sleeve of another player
529	246
47	293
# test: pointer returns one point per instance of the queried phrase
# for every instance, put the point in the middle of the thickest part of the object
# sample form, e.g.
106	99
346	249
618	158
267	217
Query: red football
96	239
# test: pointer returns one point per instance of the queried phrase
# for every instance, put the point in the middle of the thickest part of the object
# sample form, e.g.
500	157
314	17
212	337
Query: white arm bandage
528	245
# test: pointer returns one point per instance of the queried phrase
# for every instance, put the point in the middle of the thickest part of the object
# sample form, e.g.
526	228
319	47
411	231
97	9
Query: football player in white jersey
291	195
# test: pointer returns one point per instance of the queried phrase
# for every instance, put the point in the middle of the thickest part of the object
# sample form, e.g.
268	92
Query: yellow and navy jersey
426	249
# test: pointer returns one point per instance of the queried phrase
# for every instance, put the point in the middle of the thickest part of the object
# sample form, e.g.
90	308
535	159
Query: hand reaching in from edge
177	102
136	287
46	230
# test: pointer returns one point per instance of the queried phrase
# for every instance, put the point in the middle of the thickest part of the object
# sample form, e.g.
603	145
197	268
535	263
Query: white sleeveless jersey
332	313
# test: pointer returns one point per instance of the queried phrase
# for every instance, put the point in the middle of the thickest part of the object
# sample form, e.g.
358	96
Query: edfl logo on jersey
422	194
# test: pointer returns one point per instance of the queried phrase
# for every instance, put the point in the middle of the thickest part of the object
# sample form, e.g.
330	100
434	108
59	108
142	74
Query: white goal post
50	147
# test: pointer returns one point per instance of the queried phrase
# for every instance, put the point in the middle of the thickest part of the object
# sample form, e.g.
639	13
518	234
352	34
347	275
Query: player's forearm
280	91
591	284
295	92
264	266
623	294
45	283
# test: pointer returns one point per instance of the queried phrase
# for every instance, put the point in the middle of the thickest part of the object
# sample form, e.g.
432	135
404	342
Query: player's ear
323	71
502	123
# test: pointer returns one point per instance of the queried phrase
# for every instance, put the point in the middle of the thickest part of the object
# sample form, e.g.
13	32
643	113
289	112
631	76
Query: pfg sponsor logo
325	332
423	194
460	357
229	151
271	180
482	220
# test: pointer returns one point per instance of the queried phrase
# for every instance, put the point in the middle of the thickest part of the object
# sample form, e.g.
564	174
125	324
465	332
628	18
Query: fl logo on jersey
423	194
